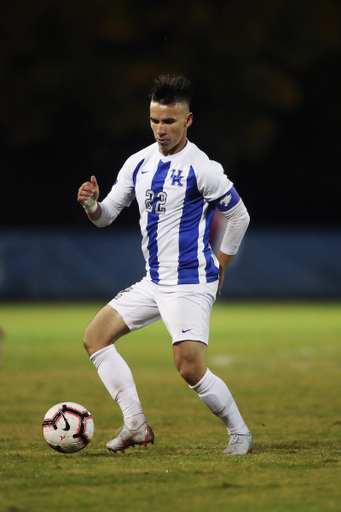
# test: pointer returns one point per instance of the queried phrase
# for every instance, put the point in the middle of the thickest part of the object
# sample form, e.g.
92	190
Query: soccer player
177	188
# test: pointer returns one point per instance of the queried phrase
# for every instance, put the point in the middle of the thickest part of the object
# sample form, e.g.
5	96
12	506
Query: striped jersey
176	196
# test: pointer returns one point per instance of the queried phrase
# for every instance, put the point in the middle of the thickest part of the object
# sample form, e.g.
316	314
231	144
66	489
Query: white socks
117	378
216	395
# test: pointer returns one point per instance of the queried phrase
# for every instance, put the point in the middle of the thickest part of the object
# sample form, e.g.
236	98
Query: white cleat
126	437
240	444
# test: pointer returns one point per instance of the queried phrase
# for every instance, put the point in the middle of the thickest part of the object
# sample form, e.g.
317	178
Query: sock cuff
200	386
214	392
98	357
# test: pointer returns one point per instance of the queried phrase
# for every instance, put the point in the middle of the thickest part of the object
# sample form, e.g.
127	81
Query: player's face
169	124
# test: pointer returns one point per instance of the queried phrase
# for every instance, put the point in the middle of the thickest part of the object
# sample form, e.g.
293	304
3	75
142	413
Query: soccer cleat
126	437
240	444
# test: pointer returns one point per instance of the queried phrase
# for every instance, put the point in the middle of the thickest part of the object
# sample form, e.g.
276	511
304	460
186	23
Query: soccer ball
68	427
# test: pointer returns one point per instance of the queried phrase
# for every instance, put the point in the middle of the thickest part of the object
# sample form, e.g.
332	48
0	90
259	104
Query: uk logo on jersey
177	178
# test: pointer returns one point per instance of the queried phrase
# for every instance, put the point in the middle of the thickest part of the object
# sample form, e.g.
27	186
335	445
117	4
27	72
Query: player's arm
121	195
233	208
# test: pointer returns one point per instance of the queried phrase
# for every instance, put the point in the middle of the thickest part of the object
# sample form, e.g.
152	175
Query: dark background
75	79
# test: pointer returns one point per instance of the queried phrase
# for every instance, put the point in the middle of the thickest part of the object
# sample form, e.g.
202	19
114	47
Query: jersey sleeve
216	188
211	181
122	192
120	196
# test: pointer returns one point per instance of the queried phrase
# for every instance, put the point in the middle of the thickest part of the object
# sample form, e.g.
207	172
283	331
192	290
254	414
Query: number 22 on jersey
155	204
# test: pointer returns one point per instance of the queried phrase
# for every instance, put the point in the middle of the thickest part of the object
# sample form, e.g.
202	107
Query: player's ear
189	119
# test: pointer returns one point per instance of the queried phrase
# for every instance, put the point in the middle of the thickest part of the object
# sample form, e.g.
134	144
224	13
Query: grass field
282	362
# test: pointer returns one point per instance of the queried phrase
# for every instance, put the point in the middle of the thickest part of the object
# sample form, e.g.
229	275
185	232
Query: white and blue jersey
177	196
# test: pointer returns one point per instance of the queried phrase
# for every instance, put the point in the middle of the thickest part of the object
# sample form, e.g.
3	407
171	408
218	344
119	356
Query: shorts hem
125	320
177	342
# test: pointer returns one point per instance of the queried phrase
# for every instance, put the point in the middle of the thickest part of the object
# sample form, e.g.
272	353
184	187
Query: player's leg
106	328
190	361
189	357
191	310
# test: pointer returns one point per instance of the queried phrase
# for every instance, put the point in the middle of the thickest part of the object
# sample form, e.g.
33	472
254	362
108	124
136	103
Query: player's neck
175	150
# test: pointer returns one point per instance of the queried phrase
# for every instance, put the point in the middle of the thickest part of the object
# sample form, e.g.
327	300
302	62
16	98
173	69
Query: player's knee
186	374
189	372
89	341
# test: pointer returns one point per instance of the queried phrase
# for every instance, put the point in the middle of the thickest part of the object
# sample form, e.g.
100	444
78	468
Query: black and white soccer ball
68	427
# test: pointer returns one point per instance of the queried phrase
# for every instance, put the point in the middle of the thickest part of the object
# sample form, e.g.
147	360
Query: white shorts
185	309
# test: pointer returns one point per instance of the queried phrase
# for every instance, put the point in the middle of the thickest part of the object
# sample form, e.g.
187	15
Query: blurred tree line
75	78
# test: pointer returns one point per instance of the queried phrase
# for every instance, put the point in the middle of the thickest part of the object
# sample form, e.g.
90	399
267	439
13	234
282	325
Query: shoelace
234	439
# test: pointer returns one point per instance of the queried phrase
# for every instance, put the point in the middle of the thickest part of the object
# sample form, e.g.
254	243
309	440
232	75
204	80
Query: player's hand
221	279
89	189
224	261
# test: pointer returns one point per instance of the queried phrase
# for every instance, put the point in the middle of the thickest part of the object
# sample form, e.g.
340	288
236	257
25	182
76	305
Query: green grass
282	362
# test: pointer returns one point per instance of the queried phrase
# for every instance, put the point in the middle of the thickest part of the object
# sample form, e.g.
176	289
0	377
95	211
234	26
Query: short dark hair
168	89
